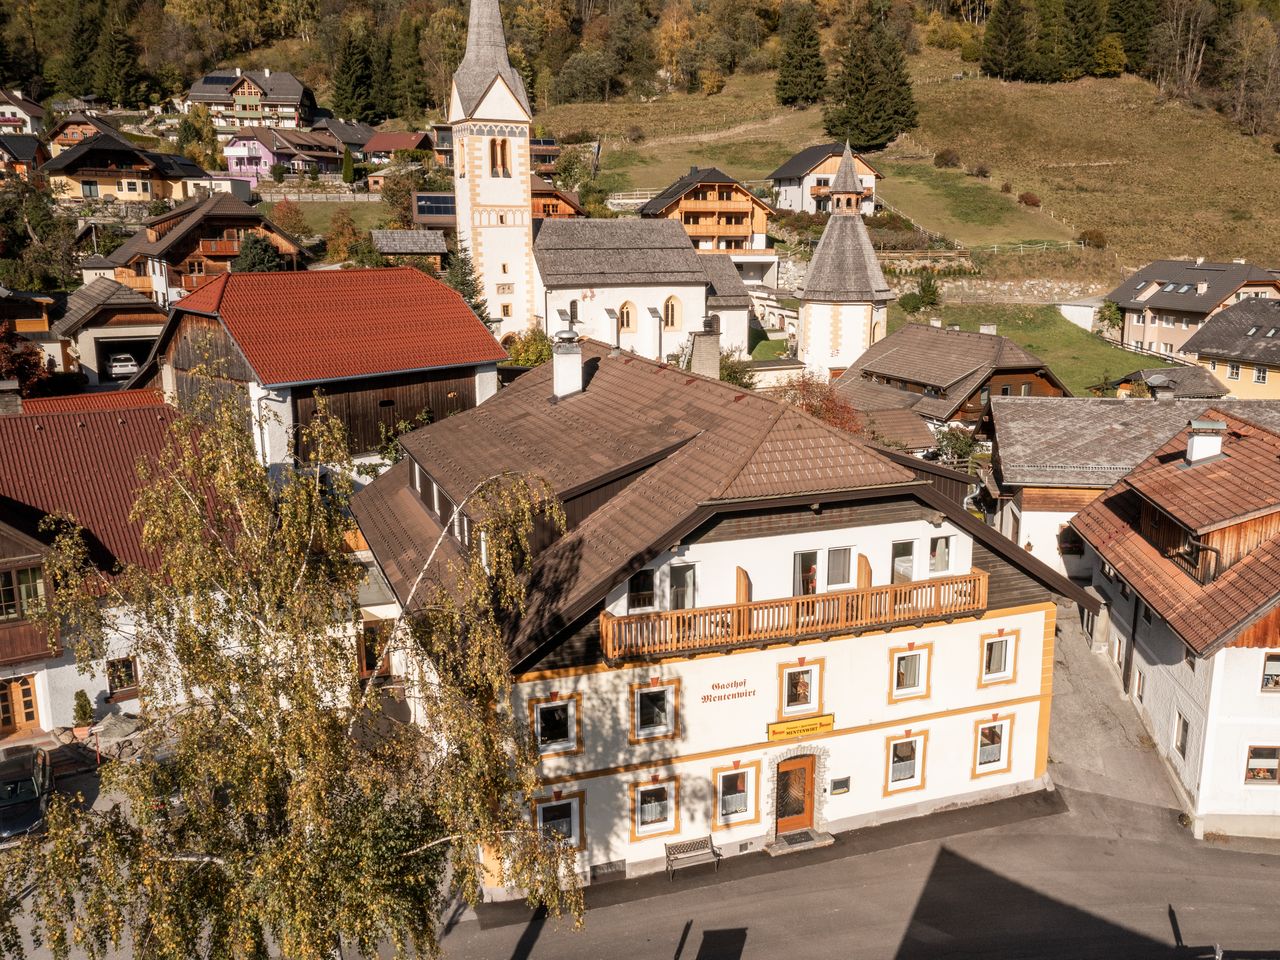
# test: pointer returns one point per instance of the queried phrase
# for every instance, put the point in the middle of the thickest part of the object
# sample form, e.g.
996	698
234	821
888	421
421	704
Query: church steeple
846	189
484	61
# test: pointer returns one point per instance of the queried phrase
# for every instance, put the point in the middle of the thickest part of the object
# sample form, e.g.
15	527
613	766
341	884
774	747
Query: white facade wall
486	382
88	339
1040	529
795	194
647	338
1243	715
272	414
832	336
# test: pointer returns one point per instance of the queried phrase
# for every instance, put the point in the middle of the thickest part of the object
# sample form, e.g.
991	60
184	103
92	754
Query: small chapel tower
490	115
844	296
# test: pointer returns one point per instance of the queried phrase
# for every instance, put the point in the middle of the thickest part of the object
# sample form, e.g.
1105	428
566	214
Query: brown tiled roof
903	428
1206	616
693	441
190	215
84	464
954	361
102	400
103	293
314	326
1178	284
389	142
1248	331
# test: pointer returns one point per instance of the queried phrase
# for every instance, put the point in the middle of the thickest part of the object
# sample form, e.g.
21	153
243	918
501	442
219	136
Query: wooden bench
685	853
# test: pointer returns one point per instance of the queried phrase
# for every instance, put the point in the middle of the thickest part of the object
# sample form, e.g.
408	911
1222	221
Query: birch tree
281	805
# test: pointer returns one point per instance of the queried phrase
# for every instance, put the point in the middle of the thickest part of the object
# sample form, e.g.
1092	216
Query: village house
950	374
552	203
1167	301
20	156
844	297
104	324
755	631
1181	383
437	210
74	129
803	183
252	98
544	153
1241	346
108	167
1053	456
77	457
442	144
637	284
352	134
384	145
28	315
1185	554
19	113
251	153
381	345
177	251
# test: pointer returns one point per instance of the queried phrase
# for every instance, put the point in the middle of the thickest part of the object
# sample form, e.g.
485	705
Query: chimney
1239	260
935	321
1202	288
988	328
237	71
1160	387
693	169
955	327
1205	440
704	359
10	398
566	364
1199	261
266	71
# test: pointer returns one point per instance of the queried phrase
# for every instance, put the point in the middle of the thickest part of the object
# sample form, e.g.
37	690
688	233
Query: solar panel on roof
220	79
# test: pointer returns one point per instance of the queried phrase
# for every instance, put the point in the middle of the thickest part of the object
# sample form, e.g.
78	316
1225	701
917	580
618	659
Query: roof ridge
750	454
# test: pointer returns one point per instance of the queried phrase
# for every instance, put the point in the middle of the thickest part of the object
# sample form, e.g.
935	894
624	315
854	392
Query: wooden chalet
717	212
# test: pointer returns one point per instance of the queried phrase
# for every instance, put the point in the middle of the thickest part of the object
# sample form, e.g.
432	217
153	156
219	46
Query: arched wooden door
795	794
18	706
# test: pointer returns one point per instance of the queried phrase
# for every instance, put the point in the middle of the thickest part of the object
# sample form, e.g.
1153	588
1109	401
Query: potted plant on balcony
83	714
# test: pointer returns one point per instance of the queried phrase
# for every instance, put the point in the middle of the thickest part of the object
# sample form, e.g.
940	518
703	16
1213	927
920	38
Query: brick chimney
10	398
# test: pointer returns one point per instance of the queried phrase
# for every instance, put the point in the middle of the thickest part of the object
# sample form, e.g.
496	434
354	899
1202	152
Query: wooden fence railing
709	628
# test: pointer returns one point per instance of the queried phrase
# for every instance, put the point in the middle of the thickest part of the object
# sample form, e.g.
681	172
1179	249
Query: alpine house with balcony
1185	553
755	630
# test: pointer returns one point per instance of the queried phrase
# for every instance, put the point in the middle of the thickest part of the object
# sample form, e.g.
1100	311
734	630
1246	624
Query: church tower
490	115
844	296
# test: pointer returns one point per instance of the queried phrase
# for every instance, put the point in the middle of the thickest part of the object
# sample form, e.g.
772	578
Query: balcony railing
141	284
791	618
717	229
23	641
220	247
716	206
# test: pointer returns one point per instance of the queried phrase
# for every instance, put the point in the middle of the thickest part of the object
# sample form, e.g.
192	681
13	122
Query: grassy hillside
364	215
1079	359
1160	179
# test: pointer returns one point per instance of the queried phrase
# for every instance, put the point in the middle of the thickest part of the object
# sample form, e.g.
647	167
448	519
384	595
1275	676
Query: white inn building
755	626
1185	553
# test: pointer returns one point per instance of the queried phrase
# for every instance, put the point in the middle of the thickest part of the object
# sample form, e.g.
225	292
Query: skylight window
1252	331
1184	288
1168	287
1271	332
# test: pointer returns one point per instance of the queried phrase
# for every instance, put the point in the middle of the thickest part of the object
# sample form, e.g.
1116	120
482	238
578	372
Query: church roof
846	178
486	59
844	268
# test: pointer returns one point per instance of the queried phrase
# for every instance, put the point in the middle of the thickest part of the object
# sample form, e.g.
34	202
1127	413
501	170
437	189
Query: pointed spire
846	180
486	59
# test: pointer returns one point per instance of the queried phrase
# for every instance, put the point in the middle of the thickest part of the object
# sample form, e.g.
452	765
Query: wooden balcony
716	206
220	248
765	622
23	641
718	229
142	284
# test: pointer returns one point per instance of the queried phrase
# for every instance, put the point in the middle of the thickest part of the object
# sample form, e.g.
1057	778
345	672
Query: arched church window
494	158
504	154
671	314
626	317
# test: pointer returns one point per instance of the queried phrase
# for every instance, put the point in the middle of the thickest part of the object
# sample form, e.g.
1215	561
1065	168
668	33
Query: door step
798	840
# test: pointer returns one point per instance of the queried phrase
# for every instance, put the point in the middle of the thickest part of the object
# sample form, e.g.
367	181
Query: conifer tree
461	275
1006	46
348	167
1217	39
115	62
869	100
409	85
1050	42
1133	21
382	86
1085	22
73	71
801	72
353	80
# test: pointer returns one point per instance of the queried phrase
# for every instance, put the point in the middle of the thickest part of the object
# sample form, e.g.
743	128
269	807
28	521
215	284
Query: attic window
1271	332
1252	331
1184	288
1168	287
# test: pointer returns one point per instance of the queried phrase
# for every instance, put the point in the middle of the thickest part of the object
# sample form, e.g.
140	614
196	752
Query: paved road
1101	868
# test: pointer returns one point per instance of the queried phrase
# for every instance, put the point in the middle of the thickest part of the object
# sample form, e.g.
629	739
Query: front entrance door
18	705
795	794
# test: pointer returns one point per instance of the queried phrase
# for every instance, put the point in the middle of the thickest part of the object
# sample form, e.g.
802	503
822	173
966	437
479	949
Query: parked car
26	781
121	365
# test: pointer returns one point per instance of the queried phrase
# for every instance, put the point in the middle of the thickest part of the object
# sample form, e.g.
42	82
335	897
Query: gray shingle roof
727	291
92	297
844	268
846	178
678	189
1248	331
351	133
21	146
279	87
486	59
408	242
1179	284
1187	382
808	158
590	253
188	215
1092	441
169	165
24	103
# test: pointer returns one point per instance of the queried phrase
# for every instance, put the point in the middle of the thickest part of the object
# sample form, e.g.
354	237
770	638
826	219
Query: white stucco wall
486	382
647	338
833	335
272	415
87	340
